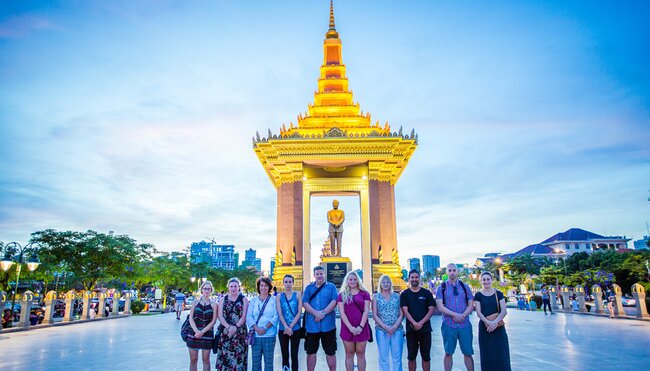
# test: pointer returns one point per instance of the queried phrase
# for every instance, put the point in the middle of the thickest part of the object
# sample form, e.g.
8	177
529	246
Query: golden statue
335	218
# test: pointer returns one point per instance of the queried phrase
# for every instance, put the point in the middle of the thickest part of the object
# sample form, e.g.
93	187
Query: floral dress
232	352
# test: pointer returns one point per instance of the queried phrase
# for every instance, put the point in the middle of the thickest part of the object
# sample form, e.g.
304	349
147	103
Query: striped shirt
455	303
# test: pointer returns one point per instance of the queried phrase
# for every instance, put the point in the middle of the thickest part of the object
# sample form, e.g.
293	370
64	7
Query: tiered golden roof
334	129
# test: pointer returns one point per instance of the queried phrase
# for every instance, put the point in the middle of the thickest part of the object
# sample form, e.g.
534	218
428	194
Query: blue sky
137	117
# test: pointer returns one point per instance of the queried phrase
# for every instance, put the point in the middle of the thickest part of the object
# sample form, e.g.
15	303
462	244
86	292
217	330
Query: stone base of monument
336	267
281	271
393	271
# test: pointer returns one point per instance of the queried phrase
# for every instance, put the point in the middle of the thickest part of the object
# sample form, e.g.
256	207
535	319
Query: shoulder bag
494	316
301	331
250	336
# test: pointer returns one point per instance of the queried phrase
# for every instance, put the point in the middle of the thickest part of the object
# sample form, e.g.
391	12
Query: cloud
24	25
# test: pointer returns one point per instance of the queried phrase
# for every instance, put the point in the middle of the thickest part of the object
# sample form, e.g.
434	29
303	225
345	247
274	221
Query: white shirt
270	315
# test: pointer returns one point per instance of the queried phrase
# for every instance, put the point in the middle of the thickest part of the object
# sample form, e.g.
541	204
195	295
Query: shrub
137	306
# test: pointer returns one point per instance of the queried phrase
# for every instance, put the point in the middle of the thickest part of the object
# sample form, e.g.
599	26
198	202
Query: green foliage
92	256
137	306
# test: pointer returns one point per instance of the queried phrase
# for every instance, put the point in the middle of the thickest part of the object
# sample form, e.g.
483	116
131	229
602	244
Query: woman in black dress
203	315
492	337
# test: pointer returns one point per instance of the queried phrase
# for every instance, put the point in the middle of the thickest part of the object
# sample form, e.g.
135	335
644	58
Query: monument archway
335	149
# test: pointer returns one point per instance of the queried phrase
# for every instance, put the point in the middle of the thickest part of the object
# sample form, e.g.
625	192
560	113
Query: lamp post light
13	248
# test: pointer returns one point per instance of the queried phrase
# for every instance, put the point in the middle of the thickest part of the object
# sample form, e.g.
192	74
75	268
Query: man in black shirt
417	305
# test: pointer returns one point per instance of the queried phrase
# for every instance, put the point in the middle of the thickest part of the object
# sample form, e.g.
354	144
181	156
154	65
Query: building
216	256
252	260
578	240
272	268
430	263
414	263
560	245
642	244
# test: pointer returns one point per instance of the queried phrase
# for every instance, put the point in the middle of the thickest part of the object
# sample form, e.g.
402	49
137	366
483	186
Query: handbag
186	328
304	317
494	316
371	339
301	331
220	328
250	336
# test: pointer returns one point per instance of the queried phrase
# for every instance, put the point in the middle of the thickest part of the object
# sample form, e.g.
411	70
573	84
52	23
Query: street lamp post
560	252
13	248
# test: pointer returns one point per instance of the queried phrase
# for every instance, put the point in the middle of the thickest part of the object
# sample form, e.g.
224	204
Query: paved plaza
537	342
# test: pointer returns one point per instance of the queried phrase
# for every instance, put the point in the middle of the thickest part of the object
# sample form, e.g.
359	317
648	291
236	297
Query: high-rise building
414	263
272	268
430	263
251	260
217	256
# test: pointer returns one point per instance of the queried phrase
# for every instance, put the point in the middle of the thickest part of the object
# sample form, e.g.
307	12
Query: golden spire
331	33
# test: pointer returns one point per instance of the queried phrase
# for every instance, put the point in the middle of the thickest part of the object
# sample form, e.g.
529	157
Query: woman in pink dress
354	306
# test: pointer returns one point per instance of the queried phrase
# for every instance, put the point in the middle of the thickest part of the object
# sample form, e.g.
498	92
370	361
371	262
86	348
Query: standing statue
335	218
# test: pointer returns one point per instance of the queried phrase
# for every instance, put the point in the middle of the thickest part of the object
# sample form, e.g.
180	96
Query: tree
92	256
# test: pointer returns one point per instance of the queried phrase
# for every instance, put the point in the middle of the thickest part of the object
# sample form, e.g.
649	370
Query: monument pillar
25	310
638	292
598	299
50	302
68	313
618	303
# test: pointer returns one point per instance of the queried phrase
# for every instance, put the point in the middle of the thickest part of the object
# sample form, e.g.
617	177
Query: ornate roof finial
331	33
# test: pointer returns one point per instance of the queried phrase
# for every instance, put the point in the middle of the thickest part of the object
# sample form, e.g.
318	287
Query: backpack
444	288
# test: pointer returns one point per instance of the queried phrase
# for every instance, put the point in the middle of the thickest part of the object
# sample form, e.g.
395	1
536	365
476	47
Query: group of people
257	322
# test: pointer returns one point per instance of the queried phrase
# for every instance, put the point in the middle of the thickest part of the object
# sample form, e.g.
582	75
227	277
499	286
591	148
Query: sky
137	117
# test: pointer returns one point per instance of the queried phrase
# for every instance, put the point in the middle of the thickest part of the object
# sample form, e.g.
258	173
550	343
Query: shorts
327	340
421	340
179	306
461	335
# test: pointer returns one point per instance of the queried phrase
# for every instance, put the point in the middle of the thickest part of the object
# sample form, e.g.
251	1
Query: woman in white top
262	319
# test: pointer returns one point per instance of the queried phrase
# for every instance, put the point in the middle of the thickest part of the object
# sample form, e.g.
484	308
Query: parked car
189	301
628	301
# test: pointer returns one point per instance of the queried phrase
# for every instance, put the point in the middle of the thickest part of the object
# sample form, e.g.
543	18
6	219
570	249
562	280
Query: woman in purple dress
354	306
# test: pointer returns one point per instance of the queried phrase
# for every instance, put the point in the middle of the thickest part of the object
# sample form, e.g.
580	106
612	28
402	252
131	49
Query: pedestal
294	270
394	271
336	267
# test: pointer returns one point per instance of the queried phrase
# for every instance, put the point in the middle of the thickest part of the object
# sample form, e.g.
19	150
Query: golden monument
335	149
335	218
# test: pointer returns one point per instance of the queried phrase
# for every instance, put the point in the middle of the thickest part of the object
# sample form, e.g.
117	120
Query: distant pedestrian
389	331
289	305
262	319
417	305
319	300
546	299
455	302
179	303
574	305
203	316
354	308
492	337
610	297
232	350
